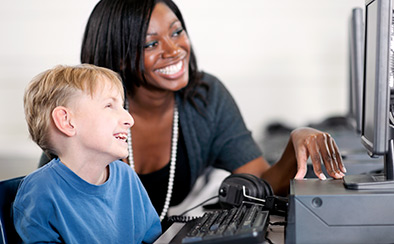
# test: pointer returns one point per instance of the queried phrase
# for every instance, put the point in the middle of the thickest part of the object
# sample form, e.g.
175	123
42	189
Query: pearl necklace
174	147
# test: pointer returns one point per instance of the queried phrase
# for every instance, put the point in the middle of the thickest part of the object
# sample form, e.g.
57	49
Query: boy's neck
94	173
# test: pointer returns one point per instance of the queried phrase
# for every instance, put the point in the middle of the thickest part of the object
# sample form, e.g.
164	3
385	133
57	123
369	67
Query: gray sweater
218	136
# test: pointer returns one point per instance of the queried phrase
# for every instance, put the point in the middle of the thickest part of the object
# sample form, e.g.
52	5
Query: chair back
8	189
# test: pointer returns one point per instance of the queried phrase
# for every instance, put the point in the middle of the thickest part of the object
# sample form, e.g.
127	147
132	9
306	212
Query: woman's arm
278	175
303	143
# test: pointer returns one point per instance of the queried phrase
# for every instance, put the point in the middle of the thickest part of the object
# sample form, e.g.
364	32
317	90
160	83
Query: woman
185	120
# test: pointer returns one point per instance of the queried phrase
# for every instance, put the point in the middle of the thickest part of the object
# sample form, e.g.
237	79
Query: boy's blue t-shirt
55	205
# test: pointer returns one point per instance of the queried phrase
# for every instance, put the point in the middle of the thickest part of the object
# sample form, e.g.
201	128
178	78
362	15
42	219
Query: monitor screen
376	130
356	66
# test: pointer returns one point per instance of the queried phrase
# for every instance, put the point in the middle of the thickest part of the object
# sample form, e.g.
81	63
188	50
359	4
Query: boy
86	195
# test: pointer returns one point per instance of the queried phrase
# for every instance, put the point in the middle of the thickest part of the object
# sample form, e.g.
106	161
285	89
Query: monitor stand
375	182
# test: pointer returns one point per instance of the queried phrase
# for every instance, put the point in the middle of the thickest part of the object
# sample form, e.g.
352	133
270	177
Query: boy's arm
32	229
155	228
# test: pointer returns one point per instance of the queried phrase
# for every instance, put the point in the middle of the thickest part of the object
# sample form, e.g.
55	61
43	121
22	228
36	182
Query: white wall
282	60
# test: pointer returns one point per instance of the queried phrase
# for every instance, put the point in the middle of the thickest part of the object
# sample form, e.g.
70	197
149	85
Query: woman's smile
172	71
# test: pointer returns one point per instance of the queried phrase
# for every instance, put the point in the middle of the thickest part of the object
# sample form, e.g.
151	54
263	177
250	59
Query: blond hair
56	87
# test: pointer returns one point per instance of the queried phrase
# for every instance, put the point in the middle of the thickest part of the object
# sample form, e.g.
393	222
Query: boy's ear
62	119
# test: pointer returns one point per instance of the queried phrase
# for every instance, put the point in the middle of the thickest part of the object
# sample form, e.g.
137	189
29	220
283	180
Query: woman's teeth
172	69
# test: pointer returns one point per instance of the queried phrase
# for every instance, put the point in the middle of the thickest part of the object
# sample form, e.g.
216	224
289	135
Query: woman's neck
146	102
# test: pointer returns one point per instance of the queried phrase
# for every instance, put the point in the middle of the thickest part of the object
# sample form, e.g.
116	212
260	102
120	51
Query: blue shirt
55	205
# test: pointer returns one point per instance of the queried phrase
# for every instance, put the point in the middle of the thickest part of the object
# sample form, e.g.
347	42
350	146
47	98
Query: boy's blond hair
56	87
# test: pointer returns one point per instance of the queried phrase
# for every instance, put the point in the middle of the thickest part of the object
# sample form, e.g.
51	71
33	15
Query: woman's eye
108	105
178	32
150	44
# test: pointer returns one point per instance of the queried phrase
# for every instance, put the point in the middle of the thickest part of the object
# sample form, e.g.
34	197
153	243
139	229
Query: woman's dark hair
115	36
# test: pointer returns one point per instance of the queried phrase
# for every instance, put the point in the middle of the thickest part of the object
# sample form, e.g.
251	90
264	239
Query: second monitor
377	117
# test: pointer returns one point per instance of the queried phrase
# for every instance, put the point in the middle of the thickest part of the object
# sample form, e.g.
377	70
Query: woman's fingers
322	150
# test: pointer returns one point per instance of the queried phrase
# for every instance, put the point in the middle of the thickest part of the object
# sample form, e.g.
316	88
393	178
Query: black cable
198	205
268	239
281	223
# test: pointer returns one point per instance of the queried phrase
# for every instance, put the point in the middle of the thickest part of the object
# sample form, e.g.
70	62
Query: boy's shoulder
37	186
41	177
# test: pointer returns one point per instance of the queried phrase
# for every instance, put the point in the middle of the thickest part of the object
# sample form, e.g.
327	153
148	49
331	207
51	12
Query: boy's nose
129	121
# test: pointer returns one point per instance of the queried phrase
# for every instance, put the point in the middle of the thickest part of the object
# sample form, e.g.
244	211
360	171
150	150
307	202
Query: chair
8	189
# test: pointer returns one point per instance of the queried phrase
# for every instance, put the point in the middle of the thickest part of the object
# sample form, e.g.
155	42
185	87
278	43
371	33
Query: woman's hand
321	147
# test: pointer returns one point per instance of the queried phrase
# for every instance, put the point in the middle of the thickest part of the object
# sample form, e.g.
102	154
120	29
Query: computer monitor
356	65
377	128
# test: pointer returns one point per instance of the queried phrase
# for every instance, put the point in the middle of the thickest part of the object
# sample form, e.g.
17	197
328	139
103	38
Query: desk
326	212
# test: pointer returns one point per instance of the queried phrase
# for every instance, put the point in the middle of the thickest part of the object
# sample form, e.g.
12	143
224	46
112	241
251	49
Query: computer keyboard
247	223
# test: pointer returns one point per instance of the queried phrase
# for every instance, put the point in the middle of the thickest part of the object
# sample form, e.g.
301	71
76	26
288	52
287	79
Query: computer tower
326	212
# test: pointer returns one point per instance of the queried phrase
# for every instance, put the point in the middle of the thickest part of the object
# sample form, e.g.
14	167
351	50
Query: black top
156	183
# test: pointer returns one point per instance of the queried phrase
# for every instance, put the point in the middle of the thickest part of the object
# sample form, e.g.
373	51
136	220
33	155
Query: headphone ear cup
257	188
268	191
231	189
263	188
231	192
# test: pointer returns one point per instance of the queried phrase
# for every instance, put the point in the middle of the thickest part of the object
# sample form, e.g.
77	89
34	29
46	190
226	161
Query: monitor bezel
378	145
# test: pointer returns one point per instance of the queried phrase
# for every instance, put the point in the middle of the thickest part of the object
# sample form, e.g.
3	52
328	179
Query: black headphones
238	188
